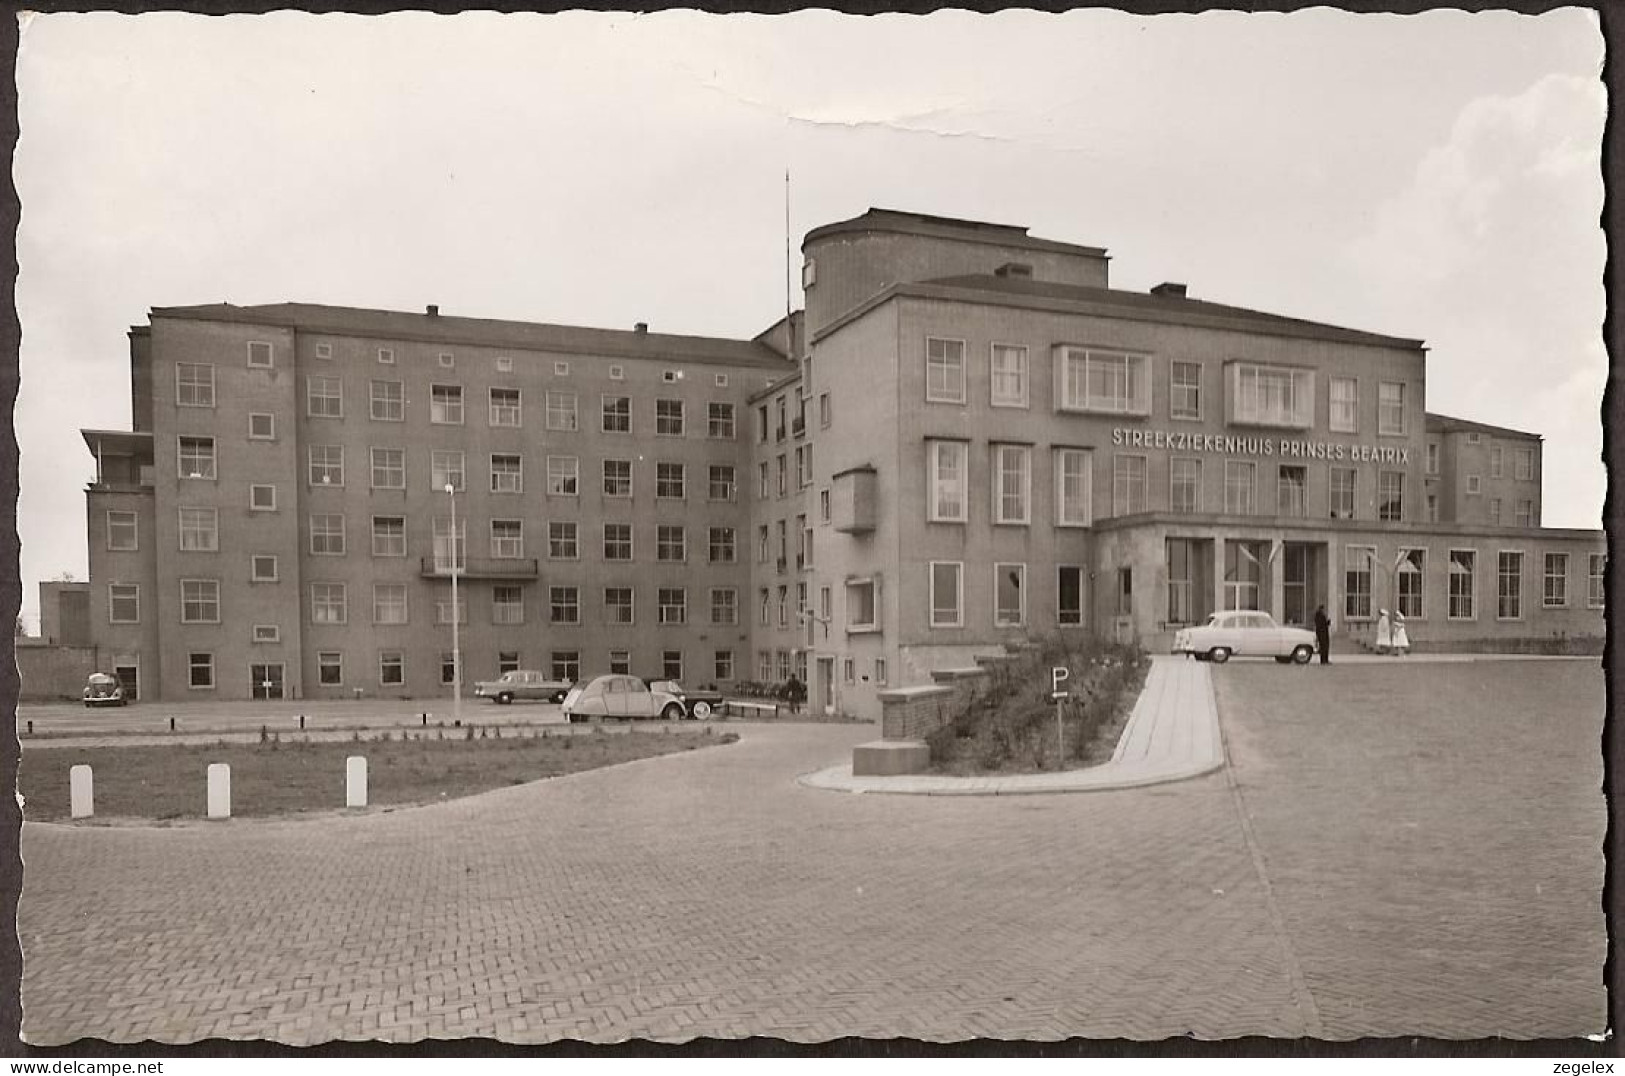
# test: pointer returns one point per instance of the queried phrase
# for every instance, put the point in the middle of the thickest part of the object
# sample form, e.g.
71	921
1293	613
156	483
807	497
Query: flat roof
1450	424
964	231
118	442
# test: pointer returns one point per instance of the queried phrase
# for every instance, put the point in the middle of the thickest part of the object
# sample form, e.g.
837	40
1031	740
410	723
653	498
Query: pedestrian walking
1323	635
794	693
1402	638
1385	633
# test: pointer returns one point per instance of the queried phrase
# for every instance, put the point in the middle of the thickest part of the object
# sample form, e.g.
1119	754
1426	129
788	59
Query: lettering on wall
1285	447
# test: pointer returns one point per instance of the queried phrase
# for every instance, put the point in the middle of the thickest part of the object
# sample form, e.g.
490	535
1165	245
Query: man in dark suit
1323	635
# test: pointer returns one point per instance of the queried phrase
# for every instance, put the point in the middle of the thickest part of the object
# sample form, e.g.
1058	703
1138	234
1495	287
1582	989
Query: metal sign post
1058	675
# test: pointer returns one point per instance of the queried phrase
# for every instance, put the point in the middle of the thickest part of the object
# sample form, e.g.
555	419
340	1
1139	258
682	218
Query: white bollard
219	790
355	781
81	794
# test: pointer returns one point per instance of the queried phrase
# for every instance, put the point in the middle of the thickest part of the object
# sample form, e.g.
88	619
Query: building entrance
128	672
1303	581
826	685
267	680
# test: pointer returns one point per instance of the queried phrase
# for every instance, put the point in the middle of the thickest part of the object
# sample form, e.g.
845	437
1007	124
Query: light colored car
104	689
521	684
1245	633
701	702
620	698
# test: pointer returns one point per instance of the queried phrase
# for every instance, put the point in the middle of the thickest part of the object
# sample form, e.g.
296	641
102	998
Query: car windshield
1212	619
672	686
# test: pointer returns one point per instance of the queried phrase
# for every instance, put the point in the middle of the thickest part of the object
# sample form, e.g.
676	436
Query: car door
530	686
640	702
1259	637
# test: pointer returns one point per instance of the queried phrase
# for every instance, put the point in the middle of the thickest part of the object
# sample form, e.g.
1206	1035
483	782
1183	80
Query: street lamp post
456	641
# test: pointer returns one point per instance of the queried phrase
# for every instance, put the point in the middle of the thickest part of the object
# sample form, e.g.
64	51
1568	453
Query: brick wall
54	672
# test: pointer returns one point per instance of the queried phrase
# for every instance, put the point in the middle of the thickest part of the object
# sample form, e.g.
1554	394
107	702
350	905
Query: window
671	543
1128	485
1495	509
324	351
1357	561
507	605
944	370
1184	484
1524	464
1496	468
565	665
327	465
1072	487
262	498
1391	496
388	401
722	665
448	667
329	668
445	608
507	661
563	476
446	359
505	364
824	414
327	534
946	607
670	481
327	603
123	603
783	473
1271	395
722	485
1433	457
195	457
763	616
1345	405
199	670
1391	408
778	432
1524	513
262	568
617	478
386	355
617	414
723	545
1105	381
669	418
505	409
446	404
261	426
391	668
1125	592
324	397
1012	478
121	530
764	665
447	468
1291	487
673	605
563	539
1010	595
1433	508
561	411
450	545
1069	595
617	541
880	671
1243	574
200	601
949	481
1596	576
507	473
671	664
389	536
389	603
259	353
1556	592
719	421
1509	592
783	551
764	487
1341	492
803	466
1183	556
1185	390
194	384
1410	573
1474	485
823	506
784	606
389	468
199	530
618	608
507	539
724	605
1008	375
1463	563
762	545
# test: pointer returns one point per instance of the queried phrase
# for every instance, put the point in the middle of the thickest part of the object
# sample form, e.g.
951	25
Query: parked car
700	702
620	698
521	684
1245	633
104	689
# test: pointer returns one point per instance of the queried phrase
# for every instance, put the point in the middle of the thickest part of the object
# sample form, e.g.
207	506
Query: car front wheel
1302	653
702	710
1219	655
504	699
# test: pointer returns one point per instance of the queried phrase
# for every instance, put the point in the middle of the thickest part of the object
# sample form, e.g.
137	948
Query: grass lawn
169	782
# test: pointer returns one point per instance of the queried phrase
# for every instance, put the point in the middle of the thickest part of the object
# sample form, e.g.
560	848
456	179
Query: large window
564	604
200	601
388	401
391	668
617	414
1410	574
1462	584
1524	513
1496	468
1104	381
671	481
671	543
947	594
722	482
617	541
1185	390
327	603
719	421
723	545
1391	496
565	665
195	457
507	539
617	478
1244	573
1391	407
123	603
507	473
1271	395
200	530
194	384
862	606
1345	405
327	465
563	476
1069	595
669	419
563	539
329	668
1357	561
724	605
1010	595
1596	584
1555	593
324	397
450	545
389	468
1008	369
447	467
507	604
1182	556
200	669
944	370
1291	489
327	534
1341	492
561	411
1524	464
446	404
1509	589
1240	485
722	667
1072	487
504	408
1012	478
1185	484
618	605
1128	485
389	536
389	603
673	602
949	479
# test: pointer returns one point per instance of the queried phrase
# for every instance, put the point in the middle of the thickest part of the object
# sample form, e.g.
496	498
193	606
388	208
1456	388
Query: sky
1434	176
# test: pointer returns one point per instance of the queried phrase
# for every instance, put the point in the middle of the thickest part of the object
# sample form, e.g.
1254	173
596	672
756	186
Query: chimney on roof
1020	270
1169	289
432	310
641	327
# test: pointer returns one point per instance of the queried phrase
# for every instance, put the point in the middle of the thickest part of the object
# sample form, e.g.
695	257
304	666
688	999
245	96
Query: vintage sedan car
1245	633
699	701
521	684
104	689
620	698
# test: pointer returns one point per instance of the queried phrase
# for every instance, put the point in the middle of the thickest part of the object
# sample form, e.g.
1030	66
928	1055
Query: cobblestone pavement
709	894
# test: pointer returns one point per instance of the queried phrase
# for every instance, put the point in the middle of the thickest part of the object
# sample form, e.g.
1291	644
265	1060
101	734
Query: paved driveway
709	894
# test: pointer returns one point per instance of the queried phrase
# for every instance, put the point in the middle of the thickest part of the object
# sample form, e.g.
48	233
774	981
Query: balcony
482	568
